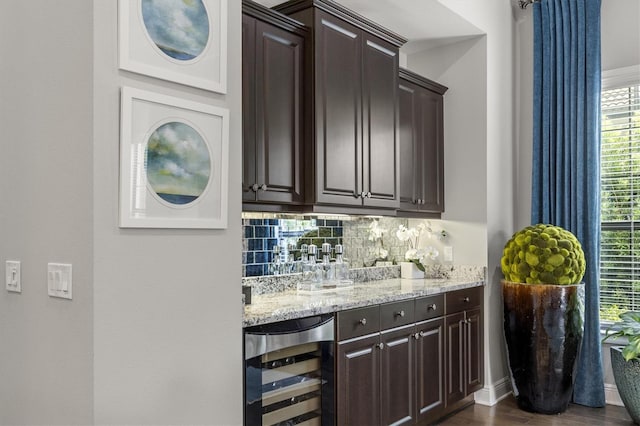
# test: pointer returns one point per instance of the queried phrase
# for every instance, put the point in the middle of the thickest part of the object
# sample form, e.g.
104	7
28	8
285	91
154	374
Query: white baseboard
611	395
493	393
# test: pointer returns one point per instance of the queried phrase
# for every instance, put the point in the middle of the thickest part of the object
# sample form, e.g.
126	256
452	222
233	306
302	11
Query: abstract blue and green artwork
178	163
179	28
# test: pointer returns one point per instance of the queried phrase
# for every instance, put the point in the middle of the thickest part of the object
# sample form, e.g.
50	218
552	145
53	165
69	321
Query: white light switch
59	283
12	274
448	254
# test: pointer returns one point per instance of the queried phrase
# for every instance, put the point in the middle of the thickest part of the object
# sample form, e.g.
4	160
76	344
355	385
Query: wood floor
507	413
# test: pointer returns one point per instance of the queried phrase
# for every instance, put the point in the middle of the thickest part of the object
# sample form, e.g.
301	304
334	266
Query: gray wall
168	316
153	333
46	212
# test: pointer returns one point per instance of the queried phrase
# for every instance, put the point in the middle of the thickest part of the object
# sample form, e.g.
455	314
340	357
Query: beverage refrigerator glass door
289	377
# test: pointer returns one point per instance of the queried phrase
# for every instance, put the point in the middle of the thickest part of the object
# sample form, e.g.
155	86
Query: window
620	200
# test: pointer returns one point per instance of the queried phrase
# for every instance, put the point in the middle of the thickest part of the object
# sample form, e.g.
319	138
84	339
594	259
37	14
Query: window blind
620	202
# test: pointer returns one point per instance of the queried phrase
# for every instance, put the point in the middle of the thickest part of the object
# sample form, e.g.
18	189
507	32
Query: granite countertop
289	304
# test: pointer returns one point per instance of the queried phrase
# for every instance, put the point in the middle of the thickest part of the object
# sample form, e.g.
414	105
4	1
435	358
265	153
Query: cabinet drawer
358	322
461	300
396	314
429	307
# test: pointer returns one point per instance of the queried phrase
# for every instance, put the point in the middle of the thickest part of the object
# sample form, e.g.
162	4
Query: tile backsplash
261	232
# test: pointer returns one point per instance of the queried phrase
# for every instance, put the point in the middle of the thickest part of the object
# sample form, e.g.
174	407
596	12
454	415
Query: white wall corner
611	395
493	393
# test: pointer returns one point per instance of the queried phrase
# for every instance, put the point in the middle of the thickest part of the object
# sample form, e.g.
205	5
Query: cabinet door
430	368
248	108
432	138
279	117
380	152
358	381
397	376
409	154
474	351
455	358
338	63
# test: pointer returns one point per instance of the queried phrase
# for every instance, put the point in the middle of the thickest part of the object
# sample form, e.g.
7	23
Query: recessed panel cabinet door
430	369
431	106
279	67
248	108
455	380
273	120
380	141
358	381
338	111
475	351
409	146
397	377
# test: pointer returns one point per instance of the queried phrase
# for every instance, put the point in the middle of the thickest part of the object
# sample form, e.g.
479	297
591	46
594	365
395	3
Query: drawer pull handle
363	321
432	307
466	300
380	345
399	314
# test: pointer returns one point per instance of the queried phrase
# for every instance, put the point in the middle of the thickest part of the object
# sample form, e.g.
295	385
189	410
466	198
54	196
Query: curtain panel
566	153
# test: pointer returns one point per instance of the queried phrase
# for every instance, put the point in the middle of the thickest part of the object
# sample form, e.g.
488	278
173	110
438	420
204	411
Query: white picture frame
174	162
154	42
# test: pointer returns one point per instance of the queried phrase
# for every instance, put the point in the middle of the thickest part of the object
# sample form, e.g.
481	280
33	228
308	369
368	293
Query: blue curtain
566	153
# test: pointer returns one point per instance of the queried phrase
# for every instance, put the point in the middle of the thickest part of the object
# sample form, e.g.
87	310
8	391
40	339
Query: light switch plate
12	274
448	254
59	282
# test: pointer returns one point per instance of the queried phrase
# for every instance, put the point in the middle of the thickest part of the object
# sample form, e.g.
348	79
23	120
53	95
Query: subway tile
248	232
256	221
255	244
261	257
261	231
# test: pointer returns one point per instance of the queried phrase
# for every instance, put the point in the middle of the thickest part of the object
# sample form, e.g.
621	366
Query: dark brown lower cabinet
414	373
397	377
465	356
358	381
430	371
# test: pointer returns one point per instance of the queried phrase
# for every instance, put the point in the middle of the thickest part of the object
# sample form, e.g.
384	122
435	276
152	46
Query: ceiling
425	23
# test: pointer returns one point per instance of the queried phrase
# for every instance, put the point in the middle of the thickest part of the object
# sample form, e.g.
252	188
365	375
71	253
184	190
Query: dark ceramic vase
627	375
543	327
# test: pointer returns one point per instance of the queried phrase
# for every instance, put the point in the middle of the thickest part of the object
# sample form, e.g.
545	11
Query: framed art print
174	157
175	40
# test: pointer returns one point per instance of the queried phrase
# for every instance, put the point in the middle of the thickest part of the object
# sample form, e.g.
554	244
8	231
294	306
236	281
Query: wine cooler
289	373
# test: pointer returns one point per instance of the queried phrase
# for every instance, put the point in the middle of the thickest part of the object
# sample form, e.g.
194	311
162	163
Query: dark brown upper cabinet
353	160
421	145
273	58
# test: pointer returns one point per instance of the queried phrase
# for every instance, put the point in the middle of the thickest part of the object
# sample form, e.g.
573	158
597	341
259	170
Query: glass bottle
311	271
328	268
342	267
275	267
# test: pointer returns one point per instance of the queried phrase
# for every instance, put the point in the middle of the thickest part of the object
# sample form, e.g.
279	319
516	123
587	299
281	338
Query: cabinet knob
255	187
422	334
399	314
418	201
380	345
364	194
369	194
263	187
423	202
465	300
432	307
416	336
363	321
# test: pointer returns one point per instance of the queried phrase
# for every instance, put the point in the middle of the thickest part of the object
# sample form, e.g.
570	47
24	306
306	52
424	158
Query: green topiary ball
543	254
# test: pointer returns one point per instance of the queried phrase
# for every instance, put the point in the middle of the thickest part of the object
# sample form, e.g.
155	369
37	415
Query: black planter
627	375
543	327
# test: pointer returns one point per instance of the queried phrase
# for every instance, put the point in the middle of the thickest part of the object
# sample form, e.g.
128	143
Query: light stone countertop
289	304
